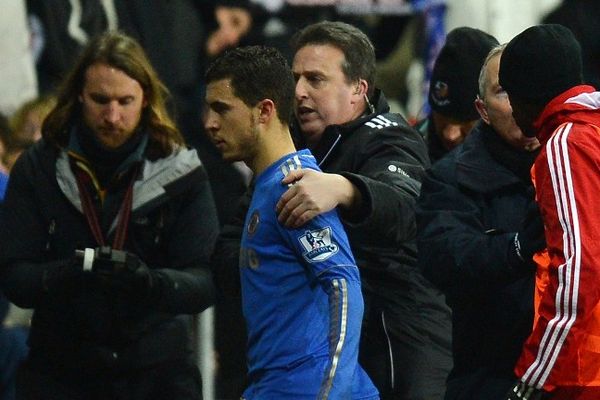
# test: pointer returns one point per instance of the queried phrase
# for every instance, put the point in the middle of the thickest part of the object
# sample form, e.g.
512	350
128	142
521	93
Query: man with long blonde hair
109	224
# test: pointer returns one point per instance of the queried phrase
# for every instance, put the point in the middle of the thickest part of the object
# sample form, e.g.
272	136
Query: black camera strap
83	181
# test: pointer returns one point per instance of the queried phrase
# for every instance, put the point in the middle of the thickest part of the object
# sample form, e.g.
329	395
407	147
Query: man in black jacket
473	203
110	178
373	163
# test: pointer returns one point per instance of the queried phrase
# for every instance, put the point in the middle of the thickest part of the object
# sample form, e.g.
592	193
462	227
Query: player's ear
266	110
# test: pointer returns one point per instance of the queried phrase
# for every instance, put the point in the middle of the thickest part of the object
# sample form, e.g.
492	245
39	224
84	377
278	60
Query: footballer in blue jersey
301	299
301	293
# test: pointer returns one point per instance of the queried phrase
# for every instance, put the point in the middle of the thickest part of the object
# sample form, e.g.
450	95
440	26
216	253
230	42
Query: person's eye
126	100
99	99
316	80
220	108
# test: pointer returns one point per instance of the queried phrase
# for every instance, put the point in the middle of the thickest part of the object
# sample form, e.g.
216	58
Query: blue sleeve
323	245
346	312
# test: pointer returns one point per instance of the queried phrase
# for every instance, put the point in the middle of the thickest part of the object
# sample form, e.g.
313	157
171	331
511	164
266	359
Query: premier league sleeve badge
318	244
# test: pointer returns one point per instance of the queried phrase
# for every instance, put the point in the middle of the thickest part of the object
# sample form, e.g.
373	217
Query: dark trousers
406	354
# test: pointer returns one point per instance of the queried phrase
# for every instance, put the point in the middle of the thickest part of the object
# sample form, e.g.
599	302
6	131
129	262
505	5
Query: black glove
530	238
63	277
523	392
124	272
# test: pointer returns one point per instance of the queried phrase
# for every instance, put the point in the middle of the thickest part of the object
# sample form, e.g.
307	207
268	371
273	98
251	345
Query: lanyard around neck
91	214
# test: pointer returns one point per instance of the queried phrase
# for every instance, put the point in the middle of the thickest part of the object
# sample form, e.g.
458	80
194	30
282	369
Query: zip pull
51	230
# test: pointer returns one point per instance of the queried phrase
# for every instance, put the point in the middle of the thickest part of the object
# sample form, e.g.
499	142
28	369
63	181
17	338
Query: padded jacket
470	208
172	228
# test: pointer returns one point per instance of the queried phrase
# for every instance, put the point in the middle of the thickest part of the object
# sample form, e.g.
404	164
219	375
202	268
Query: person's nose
112	113
453	135
211	124
301	89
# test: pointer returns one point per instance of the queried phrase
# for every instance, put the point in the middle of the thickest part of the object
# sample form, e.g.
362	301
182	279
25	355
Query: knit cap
540	63
454	81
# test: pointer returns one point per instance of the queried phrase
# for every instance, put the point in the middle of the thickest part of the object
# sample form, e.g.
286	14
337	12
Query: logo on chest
249	258
318	245
253	224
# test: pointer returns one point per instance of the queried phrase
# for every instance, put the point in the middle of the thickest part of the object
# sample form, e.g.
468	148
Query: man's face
524	116
499	111
451	131
323	94
112	104
229	122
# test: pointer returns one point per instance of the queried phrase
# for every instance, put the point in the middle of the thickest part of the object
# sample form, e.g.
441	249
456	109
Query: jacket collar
150	188
476	169
572	105
334	134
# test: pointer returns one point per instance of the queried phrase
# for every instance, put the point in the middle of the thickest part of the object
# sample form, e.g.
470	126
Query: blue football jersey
301	300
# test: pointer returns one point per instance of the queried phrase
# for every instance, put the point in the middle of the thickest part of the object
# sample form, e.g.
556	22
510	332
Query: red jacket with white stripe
564	347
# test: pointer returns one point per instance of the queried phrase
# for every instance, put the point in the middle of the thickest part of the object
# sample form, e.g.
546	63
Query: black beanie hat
454	81
540	63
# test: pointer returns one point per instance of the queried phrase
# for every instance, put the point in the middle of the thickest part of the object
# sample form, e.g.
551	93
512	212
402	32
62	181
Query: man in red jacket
541	71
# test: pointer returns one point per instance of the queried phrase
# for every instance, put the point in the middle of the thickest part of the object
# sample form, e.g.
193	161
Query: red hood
574	105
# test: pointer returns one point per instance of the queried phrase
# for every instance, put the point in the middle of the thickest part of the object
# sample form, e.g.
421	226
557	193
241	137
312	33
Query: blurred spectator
13	334
66	26
232	24
453	89
393	68
26	122
26	127
472	204
18	83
